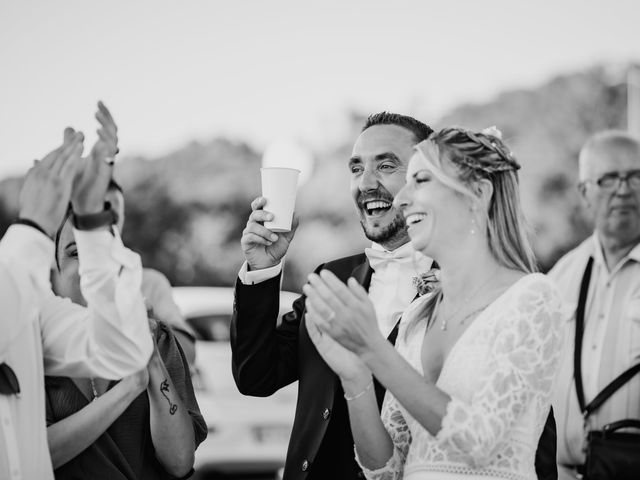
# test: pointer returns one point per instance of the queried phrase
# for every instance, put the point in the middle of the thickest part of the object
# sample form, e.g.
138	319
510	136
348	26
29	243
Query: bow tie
379	258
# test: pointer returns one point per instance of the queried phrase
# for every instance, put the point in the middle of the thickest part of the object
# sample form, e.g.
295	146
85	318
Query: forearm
421	398
373	443
72	435
264	356
110	278
171	426
24	257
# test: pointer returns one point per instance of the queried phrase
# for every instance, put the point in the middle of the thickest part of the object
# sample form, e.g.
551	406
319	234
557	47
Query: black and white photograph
338	240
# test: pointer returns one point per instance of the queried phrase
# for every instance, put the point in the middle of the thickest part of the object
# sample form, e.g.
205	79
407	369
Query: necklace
94	390
445	319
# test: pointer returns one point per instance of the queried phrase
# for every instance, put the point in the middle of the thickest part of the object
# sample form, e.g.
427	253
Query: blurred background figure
610	190
200	107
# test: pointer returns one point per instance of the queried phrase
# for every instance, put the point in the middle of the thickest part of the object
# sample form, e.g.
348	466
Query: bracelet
93	221
32	224
358	395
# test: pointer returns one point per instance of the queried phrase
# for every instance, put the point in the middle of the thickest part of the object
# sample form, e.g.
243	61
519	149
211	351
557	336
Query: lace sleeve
525	343
394	422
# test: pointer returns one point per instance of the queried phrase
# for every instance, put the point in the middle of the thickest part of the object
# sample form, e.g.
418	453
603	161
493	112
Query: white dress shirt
391	289
610	345
46	335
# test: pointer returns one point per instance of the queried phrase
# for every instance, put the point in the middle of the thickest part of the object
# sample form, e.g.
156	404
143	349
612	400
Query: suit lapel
362	273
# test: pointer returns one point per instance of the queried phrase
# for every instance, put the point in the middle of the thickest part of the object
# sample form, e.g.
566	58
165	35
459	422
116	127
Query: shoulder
532	305
534	289
574	259
151	277
345	263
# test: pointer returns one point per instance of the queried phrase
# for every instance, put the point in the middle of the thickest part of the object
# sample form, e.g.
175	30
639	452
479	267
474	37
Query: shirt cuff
251	277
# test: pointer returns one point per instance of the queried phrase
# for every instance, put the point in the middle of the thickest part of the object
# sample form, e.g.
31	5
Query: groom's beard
373	225
393	231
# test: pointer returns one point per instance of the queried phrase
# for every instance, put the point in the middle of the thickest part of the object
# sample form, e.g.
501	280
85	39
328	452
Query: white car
247	435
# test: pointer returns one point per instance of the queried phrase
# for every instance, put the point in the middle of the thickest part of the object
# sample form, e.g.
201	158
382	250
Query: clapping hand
343	313
44	198
344	363
96	170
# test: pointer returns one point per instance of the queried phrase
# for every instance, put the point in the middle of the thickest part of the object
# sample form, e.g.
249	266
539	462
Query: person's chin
377	223
420	235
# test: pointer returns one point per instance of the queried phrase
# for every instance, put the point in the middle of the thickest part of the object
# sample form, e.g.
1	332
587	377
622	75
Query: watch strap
94	221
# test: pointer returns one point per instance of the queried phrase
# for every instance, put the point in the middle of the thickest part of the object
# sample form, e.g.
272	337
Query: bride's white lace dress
499	375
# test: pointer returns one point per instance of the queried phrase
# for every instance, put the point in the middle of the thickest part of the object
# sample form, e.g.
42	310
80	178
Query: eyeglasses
613	180
8	381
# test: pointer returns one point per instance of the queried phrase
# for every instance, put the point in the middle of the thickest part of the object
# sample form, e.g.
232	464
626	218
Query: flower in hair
426	282
493	131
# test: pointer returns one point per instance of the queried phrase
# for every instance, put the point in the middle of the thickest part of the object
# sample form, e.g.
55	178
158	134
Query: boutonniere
427	281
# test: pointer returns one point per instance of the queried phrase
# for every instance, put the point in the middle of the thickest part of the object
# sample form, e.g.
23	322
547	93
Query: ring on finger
331	316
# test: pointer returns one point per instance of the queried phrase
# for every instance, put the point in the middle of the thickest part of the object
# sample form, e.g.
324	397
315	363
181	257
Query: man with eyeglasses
610	190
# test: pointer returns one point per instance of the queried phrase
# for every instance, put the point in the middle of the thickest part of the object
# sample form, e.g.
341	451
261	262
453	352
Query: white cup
279	187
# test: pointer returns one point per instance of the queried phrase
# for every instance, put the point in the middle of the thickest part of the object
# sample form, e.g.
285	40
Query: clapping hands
96	170
341	322
62	176
44	198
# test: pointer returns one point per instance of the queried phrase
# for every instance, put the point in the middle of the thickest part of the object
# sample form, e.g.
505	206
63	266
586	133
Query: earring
473	220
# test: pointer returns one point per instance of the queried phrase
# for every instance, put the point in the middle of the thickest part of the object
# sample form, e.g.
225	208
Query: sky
260	70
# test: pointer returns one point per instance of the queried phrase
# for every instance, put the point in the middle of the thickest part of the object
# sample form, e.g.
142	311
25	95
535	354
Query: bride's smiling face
438	217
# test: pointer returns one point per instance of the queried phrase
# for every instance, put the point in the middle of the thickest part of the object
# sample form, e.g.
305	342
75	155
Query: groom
267	356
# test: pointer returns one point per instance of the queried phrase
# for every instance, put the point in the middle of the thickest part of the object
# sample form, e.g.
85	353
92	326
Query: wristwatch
93	221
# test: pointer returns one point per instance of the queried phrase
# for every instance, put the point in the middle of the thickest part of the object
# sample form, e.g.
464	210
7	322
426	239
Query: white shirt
611	343
44	334
391	289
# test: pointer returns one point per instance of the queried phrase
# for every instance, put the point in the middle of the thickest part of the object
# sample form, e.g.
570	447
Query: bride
469	383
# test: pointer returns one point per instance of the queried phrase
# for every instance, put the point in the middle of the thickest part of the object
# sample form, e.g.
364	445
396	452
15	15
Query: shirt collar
598	256
419	259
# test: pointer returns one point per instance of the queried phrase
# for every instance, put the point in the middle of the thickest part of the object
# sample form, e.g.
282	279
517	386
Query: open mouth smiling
376	207
414	218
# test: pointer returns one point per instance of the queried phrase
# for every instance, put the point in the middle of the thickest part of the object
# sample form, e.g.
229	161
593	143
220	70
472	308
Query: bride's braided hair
477	150
476	156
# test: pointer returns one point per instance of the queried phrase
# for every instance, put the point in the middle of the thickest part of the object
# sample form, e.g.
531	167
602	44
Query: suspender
619	381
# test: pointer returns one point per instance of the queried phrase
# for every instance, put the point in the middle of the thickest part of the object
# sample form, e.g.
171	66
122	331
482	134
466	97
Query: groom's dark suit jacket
267	357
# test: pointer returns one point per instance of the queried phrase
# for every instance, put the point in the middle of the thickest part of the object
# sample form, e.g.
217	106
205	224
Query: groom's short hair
421	131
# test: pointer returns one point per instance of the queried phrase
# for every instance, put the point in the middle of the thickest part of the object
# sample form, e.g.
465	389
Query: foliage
186	210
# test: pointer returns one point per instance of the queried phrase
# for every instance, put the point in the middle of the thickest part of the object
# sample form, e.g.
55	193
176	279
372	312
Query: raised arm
264	354
26	250
110	337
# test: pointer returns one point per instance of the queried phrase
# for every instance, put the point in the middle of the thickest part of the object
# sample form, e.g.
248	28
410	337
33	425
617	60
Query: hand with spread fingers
44	198
344	363
263	248
343	312
96	170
